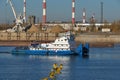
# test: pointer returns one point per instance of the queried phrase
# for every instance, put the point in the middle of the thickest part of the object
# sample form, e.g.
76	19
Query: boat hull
80	50
44	52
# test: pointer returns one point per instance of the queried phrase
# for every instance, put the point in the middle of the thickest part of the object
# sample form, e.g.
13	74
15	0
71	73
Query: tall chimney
44	12
84	15
73	12
24	11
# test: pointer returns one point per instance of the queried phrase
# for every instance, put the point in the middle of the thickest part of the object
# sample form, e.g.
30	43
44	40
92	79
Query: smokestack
73	12
84	15
24	11
101	12
44	12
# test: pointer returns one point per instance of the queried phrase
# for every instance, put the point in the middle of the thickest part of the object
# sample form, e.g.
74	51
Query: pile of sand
56	29
33	29
53	29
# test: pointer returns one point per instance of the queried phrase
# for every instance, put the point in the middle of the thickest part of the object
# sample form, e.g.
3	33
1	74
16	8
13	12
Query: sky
60	10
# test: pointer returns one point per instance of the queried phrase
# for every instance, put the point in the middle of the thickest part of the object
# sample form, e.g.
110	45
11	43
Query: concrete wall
51	36
27	36
98	38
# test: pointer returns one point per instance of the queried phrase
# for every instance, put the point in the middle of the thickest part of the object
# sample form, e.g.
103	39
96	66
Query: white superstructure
66	42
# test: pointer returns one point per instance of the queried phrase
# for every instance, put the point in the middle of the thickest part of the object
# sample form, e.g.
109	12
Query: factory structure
76	25
67	25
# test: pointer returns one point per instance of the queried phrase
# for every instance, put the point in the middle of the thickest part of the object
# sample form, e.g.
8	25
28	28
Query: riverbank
24	39
26	43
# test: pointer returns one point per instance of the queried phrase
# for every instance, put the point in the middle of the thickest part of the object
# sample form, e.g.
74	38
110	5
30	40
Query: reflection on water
105	53
102	64
53	58
105	56
6	49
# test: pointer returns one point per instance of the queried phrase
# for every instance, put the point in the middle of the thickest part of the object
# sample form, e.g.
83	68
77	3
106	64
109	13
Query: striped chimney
44	12
84	15
73	12
24	11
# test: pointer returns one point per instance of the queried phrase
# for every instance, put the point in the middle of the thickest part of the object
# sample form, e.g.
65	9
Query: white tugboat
65	45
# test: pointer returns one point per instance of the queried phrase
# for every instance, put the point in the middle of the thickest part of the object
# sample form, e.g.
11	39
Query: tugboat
64	45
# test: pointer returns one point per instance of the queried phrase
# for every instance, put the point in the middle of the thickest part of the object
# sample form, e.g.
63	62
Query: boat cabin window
46	45
65	39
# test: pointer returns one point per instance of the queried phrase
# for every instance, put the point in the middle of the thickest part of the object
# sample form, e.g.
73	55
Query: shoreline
26	43
94	39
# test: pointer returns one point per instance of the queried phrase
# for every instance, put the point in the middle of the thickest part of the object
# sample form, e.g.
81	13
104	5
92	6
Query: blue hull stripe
43	52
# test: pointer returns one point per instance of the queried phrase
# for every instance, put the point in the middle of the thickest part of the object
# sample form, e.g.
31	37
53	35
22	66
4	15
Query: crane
12	9
19	20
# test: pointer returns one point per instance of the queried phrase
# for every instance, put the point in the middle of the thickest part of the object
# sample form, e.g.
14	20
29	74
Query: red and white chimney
84	15
24	11
44	12
73	12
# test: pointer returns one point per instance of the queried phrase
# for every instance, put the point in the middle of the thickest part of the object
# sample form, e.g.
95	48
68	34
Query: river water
102	64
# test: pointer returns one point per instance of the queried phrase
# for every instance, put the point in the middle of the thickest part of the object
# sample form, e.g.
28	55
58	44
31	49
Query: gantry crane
19	20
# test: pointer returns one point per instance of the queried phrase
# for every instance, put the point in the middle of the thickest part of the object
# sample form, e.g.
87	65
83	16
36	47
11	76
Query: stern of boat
83	49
